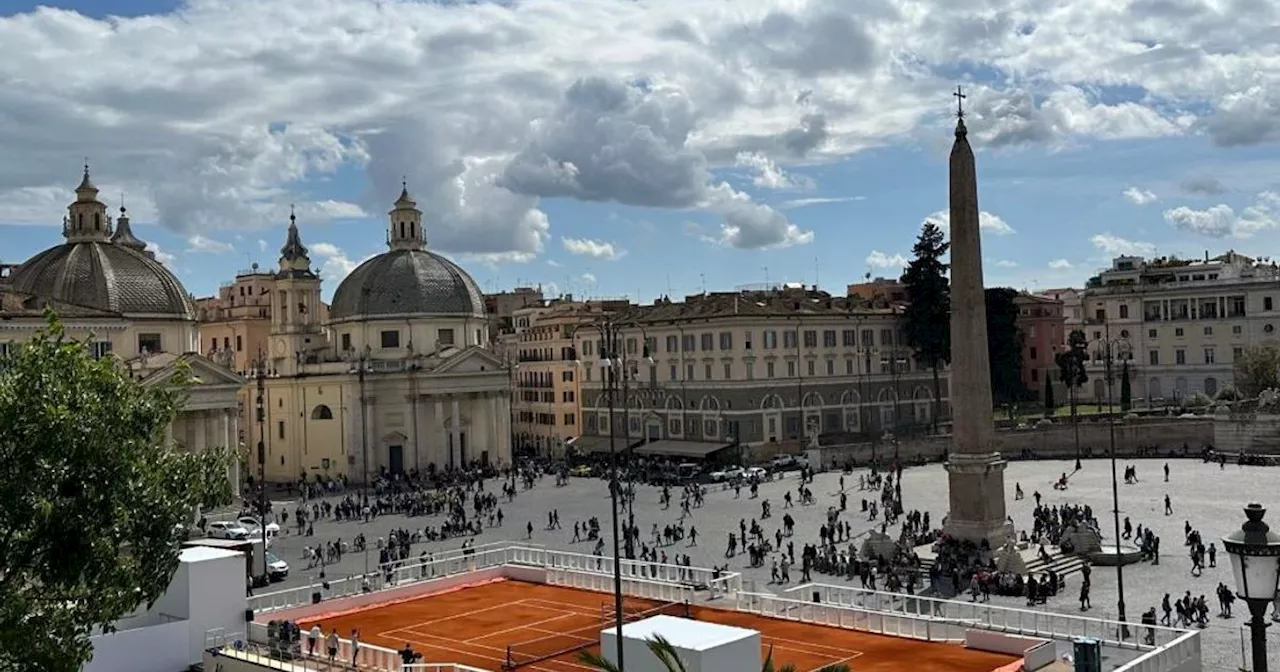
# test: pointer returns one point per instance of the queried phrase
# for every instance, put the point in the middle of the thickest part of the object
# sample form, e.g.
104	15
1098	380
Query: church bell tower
296	334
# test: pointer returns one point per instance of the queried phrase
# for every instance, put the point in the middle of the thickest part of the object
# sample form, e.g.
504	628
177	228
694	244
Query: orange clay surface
475	625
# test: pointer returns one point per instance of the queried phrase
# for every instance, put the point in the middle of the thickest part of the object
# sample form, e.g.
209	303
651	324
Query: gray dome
406	282
105	276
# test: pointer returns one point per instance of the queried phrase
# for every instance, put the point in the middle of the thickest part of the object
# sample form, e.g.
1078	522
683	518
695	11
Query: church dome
406	282
106	276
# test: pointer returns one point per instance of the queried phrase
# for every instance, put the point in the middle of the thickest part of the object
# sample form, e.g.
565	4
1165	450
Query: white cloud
214	116
1138	196
1115	246
262	245
1221	221
199	243
334	263
768	175
553	263
589	279
596	249
986	221
878	259
161	256
1006	263
1059	264
805	202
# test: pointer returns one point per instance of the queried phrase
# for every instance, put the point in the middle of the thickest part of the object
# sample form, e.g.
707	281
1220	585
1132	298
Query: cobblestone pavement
1207	496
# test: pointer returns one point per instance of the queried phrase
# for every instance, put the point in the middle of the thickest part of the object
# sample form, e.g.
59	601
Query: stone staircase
1062	563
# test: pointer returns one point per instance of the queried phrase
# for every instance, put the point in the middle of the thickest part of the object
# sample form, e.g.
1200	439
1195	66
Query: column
198	419
455	434
495	428
440	436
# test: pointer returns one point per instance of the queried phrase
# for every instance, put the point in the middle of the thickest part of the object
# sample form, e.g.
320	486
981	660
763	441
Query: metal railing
1168	657
983	616
910	626
603	583
697	577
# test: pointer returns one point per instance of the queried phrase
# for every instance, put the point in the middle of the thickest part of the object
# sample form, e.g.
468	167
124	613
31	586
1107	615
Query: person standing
331	646
313	638
355	646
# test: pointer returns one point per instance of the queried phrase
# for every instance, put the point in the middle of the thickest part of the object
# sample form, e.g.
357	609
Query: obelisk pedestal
975	471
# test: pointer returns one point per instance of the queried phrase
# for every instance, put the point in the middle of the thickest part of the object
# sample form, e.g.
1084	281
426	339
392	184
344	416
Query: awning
671	448
592	444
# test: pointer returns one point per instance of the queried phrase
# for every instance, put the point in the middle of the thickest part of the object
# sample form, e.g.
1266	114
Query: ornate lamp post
613	368
1255	561
362	367
1111	348
260	366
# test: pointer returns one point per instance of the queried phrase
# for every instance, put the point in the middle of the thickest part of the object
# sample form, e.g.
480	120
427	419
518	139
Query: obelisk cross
959	94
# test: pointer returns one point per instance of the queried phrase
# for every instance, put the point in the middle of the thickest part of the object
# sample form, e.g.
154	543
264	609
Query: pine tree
1049	404
1126	394
928	315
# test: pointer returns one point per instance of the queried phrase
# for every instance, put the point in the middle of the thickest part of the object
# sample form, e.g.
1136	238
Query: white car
727	474
790	462
227	529
277	569
756	472
250	523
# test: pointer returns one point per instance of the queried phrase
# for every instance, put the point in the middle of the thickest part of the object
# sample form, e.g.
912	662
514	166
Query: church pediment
155	369
471	360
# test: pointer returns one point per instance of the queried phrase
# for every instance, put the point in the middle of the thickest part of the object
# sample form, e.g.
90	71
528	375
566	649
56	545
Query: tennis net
553	646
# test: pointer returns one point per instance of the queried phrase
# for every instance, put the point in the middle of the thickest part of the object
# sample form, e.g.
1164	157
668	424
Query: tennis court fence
553	646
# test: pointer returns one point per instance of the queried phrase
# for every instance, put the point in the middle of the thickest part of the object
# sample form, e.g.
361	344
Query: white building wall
166	646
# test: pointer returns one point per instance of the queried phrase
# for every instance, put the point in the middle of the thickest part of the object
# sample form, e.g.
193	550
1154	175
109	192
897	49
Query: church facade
109	291
398	377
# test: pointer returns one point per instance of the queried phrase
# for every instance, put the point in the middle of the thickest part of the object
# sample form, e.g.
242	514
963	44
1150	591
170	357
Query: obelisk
975	471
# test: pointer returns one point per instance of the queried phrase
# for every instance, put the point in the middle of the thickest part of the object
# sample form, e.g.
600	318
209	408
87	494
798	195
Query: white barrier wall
167	647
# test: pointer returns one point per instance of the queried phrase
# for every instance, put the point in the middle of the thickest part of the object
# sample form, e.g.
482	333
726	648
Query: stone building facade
788	366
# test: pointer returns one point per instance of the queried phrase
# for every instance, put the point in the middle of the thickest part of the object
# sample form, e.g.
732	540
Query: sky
640	148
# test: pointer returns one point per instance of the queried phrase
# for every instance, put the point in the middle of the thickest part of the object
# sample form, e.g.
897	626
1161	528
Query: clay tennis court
475	625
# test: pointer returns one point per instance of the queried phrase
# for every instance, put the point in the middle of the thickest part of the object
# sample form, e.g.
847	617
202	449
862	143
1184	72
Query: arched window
413	233
97	222
321	412
402	229
1211	386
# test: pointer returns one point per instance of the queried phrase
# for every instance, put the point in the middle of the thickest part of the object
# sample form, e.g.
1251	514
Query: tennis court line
841	650
842	660
456	652
464	614
528	626
561	634
498	649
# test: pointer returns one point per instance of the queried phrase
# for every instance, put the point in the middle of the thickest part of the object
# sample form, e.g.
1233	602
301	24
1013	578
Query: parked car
251	524
277	569
228	529
727	474
756	472
790	462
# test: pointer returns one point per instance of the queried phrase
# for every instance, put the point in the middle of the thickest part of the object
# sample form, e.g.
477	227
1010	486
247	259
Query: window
280	429
1208	331
1152	333
570	418
149	343
868	338
746	340
1235	306
1180	356
809	368
708	342
1124	312
239	343
829	338
726	340
751	370
1153	357
1033	352
1035	375
445	336
687	342
728	371
567	396
321	412
789	339
688	372
673	426
768	369
1237	353
831	367
566	376
791	369
1236	330
810	338
848	367
886	337
706	371
1177	332
1266	303
770	340
632	346
1208	356
226	343
100	349
391	339
673	344
849	338
674	376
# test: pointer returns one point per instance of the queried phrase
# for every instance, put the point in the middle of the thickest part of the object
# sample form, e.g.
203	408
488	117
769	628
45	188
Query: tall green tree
1049	404
1126	391
927	320
1257	369
1004	346
1071	367
89	498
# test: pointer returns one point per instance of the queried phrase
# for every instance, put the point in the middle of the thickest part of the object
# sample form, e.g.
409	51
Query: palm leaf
666	654
597	661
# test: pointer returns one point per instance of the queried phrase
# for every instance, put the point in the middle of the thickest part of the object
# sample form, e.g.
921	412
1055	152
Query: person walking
355	647
331	646
313	638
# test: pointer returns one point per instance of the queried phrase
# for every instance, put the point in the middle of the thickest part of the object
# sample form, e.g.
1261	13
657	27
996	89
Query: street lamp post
261	376
610	363
362	365
1255	561
1111	346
